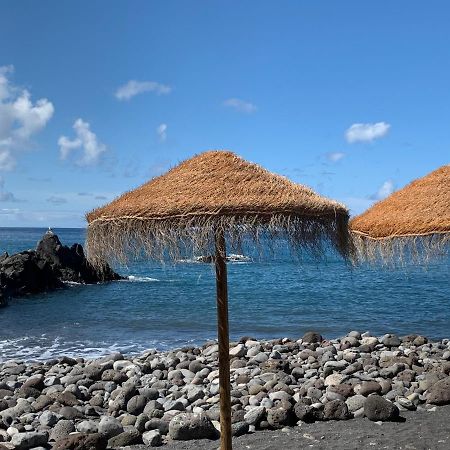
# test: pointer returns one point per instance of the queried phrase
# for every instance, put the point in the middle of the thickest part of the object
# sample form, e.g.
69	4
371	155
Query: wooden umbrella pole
224	345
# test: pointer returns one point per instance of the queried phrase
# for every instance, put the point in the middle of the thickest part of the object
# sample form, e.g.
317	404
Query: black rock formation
70	264
47	268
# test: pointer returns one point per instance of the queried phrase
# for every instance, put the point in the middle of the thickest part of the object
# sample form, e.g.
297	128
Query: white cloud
7	161
5	87
335	156
240	105
386	189
134	87
20	119
85	141
161	131
366	132
57	200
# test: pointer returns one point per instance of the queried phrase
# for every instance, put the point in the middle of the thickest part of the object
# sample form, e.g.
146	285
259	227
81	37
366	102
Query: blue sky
351	98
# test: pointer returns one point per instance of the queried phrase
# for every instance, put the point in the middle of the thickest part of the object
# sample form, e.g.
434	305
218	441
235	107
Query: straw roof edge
397	249
125	238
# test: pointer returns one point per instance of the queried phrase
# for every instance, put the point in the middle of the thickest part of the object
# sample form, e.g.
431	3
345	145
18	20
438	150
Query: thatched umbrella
195	206
412	222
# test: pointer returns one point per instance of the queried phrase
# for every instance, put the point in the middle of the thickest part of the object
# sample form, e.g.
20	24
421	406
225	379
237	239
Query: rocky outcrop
46	268
70	264
25	273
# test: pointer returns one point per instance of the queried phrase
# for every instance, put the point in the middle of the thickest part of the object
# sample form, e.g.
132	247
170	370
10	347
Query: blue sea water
168	306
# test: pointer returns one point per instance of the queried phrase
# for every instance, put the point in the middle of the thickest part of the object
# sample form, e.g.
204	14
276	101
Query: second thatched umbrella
195	207
413	222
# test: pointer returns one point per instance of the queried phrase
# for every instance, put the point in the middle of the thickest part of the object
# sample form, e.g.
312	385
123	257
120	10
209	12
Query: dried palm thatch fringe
411	224
122	239
400	250
177	214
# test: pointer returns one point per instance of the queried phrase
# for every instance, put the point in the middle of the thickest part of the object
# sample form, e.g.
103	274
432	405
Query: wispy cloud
9	211
335	156
55	200
20	118
85	144
161	131
366	132
40	180
133	88
6	196
53	218
90	194
386	189
240	105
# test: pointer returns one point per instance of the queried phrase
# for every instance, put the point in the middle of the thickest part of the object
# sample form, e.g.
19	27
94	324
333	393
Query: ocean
169	306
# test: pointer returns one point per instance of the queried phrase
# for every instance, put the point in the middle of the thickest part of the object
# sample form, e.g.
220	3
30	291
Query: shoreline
421	430
197	343
160	397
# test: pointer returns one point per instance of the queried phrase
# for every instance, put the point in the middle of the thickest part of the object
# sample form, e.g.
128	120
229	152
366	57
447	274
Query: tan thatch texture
182	209
415	219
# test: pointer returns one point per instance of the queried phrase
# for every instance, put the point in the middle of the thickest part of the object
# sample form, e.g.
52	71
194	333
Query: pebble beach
224	226
278	386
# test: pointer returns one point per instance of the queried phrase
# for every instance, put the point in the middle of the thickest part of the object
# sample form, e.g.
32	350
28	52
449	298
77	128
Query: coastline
280	384
158	307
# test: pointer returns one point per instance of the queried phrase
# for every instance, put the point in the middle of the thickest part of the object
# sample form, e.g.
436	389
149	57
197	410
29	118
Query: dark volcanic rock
306	412
82	441
378	408
239	428
3	301
187	426
312	337
129	437
24	273
47	268
336	410
280	417
70	264
439	393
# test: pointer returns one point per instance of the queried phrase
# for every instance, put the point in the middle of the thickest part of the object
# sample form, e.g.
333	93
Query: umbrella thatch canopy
414	221
182	209
196	206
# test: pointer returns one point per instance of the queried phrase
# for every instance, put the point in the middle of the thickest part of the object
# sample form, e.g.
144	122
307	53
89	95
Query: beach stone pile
156	397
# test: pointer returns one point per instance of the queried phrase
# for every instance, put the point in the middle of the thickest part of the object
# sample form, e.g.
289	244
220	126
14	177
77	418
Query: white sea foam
41	348
232	258
72	283
189	261
137	279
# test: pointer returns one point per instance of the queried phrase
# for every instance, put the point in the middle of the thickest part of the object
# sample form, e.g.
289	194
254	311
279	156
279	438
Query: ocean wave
43	348
137	279
231	259
188	261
